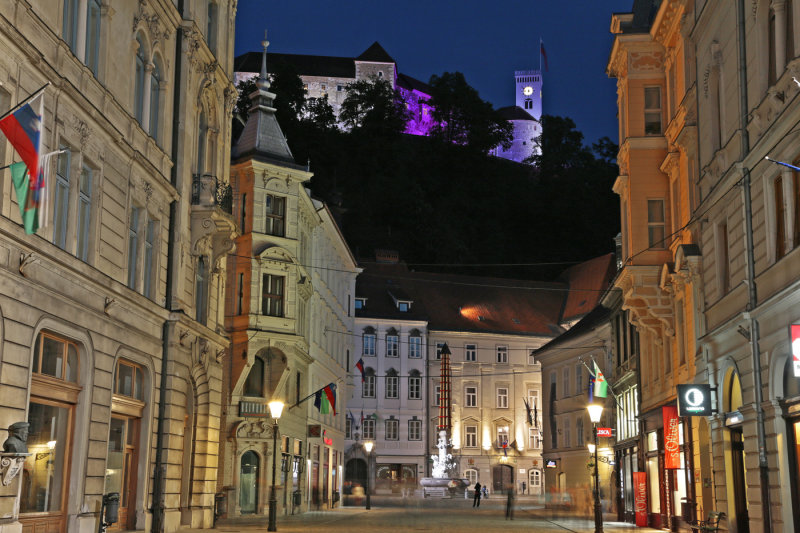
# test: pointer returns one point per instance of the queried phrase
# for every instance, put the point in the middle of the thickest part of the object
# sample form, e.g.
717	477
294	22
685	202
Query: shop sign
640	498
794	330
551	463
672	446
694	400
603	432
314	430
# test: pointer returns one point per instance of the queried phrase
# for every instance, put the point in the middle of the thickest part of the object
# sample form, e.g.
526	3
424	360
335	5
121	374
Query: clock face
527	91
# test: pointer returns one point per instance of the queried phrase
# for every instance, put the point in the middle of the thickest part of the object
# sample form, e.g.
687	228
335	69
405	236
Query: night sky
486	40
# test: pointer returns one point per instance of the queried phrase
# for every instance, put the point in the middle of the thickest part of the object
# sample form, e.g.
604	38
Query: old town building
289	315
111	336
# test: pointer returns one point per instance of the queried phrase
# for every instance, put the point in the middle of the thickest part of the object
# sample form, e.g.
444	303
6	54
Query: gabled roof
514	112
587	282
375	54
405	81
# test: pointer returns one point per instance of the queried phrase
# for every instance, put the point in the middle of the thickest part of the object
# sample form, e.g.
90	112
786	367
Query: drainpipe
755	352
159	476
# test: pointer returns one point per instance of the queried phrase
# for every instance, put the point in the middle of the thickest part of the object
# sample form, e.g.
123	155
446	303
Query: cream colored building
290	317
111	336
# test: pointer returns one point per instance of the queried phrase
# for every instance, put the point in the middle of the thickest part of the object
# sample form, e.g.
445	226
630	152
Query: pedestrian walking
510	503
477	501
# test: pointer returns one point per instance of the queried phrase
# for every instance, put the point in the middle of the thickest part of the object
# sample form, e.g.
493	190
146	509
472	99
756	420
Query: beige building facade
111	338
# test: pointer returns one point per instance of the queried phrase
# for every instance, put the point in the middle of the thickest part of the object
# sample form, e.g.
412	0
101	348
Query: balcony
213	226
249	408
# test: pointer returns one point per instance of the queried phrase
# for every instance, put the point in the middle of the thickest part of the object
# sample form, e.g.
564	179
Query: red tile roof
594	276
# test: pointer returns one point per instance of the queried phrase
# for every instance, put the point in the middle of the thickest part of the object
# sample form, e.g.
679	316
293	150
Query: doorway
248	483
502	478
121	466
739	482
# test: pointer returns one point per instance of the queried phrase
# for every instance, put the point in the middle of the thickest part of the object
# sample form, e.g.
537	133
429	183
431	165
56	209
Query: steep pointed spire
262	135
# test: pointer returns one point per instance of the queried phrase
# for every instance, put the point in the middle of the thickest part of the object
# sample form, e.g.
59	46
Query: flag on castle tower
543	54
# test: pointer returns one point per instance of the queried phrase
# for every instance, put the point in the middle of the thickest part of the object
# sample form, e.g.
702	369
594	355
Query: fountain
442	483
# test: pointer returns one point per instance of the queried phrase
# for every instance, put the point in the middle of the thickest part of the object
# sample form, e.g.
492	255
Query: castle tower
528	91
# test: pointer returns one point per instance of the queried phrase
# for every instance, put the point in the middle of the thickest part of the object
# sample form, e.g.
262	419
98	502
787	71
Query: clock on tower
527	91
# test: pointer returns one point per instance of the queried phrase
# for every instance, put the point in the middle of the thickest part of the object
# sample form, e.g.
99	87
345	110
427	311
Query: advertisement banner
795	333
640	498
672	446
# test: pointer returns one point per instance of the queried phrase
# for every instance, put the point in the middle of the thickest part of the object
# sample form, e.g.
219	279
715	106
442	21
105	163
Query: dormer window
361	303
403	307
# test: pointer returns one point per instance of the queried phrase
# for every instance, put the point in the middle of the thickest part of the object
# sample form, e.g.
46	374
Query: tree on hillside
462	117
319	112
373	105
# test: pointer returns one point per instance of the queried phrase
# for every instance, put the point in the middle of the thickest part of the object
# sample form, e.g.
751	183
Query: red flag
330	392
544	55
360	367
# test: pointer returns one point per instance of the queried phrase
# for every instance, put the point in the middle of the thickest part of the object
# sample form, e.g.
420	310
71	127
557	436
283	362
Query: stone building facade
111	336
289	312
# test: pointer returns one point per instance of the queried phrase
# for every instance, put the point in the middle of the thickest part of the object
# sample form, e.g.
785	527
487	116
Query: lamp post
368	444
275	408
595	412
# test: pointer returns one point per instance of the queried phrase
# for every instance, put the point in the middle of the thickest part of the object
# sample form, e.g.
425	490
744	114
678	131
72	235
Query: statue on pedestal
17	441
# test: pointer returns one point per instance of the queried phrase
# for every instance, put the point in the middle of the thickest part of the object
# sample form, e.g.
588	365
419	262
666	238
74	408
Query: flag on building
528	411
360	367
20	179
544	54
535	414
325	399
600	383
24	129
330	395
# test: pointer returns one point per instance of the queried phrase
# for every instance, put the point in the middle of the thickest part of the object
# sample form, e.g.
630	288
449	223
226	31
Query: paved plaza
456	515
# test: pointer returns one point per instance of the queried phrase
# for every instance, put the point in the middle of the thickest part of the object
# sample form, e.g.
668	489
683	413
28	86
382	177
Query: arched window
472	475
155	101
202	134
139	74
254	386
248	483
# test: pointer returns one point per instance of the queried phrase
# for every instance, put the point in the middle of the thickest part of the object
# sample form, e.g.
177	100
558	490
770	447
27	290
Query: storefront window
45	473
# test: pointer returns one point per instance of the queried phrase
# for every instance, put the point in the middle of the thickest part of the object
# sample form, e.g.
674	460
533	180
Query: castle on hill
329	76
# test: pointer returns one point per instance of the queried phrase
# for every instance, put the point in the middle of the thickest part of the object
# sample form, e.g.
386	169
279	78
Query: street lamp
275	408
368	444
595	412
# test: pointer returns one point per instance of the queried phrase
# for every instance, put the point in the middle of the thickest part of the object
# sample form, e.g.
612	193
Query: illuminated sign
551	463
794	331
603	432
694	400
640	498
672	446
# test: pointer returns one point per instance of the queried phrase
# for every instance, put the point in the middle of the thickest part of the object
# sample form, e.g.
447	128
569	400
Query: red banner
603	432
672	445
640	498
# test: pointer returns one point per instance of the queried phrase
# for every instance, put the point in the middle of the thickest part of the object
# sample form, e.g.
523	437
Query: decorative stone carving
10	466
230	94
17	441
255	429
646	61
83	130
151	21
192	44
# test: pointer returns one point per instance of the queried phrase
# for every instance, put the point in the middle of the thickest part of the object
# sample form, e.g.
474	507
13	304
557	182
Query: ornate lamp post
595	412
368	444
275	409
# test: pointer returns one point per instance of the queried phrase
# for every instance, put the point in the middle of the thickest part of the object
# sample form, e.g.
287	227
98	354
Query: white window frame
654	225
368	387
535	477
534	440
392	346
470	436
83	233
414	429
392	428
414	347
392	387
502	355
368	340
368	428
437	395
653	114
471	474
502	397
500	433
471	396
414	388
471	352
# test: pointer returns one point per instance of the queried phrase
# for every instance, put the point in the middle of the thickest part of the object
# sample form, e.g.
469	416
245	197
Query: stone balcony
213	226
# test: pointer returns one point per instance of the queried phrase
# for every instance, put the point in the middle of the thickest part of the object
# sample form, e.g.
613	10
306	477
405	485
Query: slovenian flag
600	383
360	367
325	399
544	54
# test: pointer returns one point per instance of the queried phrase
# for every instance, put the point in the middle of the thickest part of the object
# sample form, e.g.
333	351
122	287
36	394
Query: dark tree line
442	199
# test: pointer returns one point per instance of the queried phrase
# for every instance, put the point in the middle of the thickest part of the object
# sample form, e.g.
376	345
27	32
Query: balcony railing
253	409
208	191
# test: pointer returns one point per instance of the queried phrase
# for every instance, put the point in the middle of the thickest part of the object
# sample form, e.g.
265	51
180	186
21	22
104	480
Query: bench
710	525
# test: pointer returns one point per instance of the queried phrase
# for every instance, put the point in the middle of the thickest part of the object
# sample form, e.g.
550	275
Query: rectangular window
368	387
533	439
348	428
502	398
502	354
437	395
578	379
211	28
133	246
359	303
471	396
414	388
415	347
502	436
780	218
652	110
275	214
369	344
470	352
61	199
567	434
579	431
272	295
655	223
471	437
69	29
392	429
369	428
566	381
392	346
722	259
92	57
240	295
415	430
84	213
149	257
391	387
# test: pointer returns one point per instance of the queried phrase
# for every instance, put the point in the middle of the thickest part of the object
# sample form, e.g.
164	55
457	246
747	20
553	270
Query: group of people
481	491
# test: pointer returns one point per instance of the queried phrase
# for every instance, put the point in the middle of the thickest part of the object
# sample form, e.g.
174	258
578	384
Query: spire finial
263	82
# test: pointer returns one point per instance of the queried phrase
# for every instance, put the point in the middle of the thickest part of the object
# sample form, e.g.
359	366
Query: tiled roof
412	84
514	112
379	283
594	276
375	53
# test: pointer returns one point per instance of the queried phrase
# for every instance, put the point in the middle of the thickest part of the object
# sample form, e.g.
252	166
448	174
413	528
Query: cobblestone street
456	515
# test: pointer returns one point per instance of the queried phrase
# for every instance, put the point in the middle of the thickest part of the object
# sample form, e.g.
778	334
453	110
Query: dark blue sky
485	39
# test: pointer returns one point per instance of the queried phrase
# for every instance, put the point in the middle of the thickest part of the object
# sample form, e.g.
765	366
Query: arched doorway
733	401
502	478
355	474
248	483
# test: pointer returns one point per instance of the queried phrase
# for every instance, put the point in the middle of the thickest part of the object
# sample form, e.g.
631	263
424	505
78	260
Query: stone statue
17	438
